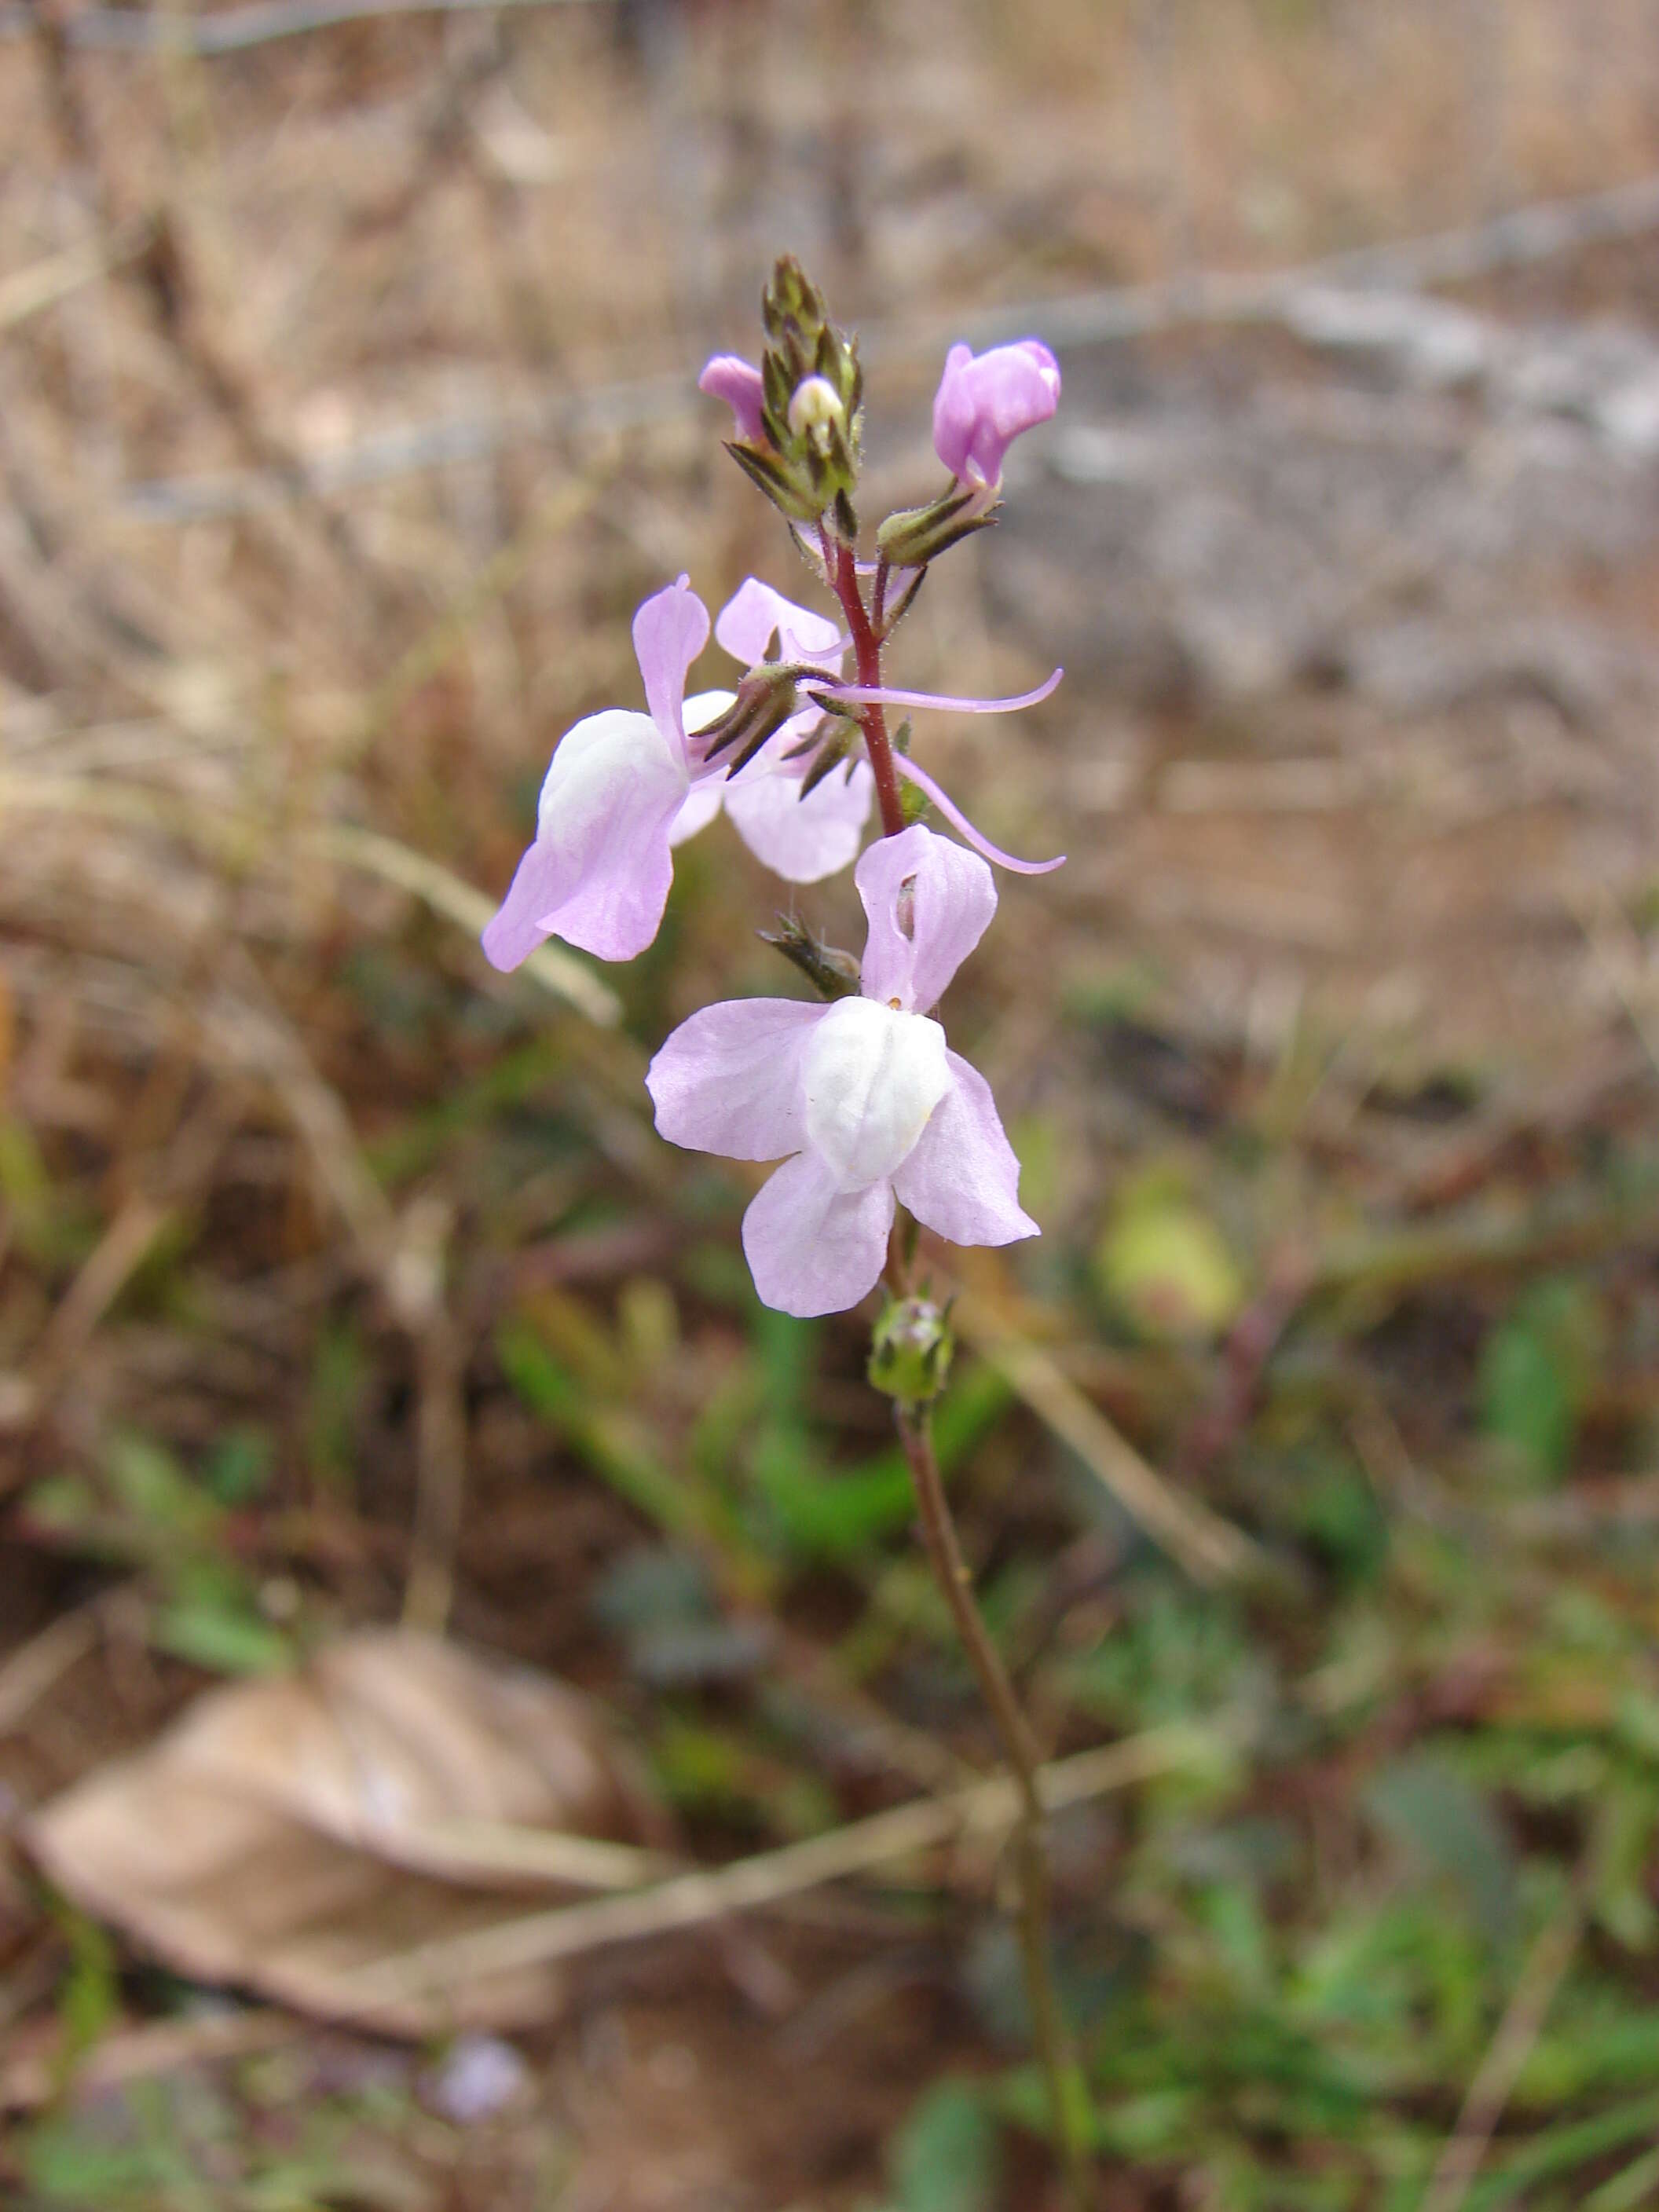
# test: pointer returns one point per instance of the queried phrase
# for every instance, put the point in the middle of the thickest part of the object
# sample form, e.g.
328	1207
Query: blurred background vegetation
347	410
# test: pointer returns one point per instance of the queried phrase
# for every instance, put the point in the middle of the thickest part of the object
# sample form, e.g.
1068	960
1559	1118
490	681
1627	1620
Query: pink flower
730	378
598	871
801	839
983	403
863	1095
625	788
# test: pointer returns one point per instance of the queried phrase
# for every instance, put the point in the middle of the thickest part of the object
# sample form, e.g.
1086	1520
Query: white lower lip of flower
589	762
872	1076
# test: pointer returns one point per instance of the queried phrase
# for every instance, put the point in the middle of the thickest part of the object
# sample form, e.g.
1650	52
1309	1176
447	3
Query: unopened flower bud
765	700
816	411
910	1350
832	973
917	535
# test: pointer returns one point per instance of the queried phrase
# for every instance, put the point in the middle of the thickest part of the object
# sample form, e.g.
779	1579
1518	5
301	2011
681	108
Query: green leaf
1537	1370
1163	1265
946	2156
1451	1830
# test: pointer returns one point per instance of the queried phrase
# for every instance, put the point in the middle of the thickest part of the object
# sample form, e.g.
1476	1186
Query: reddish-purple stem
841	568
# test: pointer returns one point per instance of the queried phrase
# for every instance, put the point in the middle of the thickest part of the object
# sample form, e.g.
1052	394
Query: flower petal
599	872
929	902
701	804
875	694
983	403
961	1178
810	1247
727	376
707	793
745	624
959	821
729	1080
670	630
802	840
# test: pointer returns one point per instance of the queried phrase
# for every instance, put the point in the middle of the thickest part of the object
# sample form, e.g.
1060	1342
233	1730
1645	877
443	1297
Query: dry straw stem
1210	1549
694	1899
365	850
235	30
28	291
1541	231
1541	1976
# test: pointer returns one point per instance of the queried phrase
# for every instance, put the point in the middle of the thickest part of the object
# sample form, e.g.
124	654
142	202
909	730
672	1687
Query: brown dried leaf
285	1832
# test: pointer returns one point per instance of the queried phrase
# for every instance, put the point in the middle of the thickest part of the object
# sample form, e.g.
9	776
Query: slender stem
1020	1748
841	568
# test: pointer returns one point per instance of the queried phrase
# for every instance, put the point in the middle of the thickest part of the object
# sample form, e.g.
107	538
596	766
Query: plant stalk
841	568
1066	2095
1067	2099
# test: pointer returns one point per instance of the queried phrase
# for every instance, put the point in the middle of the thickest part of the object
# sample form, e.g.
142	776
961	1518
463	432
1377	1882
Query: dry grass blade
550	965
1518	2031
236	30
43	283
1210	1549
694	1899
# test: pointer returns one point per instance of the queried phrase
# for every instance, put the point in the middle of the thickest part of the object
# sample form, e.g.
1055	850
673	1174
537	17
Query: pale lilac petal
599	872
802	840
730	378
704	799
961	1178
701	804
929	902
813	1248
959	821
670	630
862	695
983	403
729	1080
745	624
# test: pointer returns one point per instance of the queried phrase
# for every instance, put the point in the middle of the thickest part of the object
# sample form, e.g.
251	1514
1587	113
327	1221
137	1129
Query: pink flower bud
984	402
729	377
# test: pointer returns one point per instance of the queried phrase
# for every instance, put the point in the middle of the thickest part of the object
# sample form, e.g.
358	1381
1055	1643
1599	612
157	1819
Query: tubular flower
801	838
624	788
984	402
598	871
730	378
862	1100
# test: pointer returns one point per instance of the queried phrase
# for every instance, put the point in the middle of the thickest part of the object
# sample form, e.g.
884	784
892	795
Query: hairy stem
1020	1748
841	568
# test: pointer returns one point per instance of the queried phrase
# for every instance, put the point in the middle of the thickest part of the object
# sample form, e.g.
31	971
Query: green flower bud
910	1350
